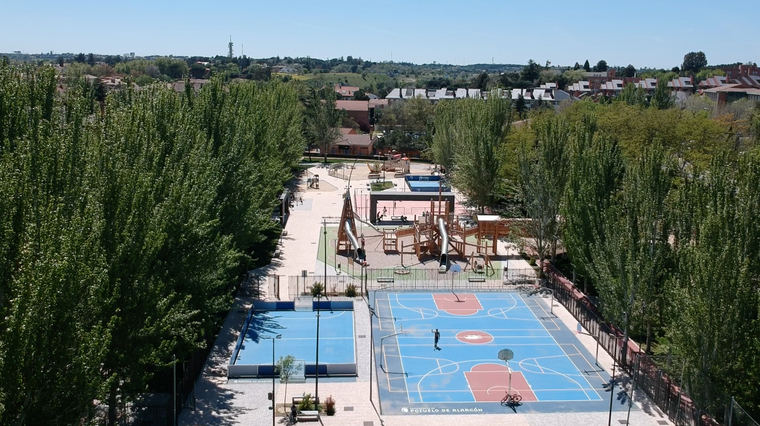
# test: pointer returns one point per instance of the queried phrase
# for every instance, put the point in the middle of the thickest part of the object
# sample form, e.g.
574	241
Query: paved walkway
222	402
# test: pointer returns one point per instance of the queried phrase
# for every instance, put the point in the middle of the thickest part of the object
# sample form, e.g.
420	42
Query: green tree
629	71
594	174
530	73
633	95
479	132
174	195
715	327
197	70
630	265
586	66
443	147
481	81
520	105
661	98
693	62
322	119
541	183
601	66
286	366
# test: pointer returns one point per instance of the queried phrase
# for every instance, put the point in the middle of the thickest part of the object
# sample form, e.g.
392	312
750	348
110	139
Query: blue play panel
550	369
252	356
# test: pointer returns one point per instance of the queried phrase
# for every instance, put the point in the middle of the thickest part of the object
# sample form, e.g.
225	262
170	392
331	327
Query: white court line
594	368
420	310
566	356
401	358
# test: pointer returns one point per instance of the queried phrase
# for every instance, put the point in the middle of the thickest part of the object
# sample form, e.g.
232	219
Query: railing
395	279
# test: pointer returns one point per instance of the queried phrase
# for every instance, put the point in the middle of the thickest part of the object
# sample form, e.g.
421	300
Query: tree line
124	227
654	209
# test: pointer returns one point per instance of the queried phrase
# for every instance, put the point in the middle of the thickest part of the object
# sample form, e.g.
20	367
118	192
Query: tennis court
297	329
550	370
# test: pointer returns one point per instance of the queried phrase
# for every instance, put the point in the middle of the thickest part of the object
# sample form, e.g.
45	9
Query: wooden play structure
440	233
397	164
374	170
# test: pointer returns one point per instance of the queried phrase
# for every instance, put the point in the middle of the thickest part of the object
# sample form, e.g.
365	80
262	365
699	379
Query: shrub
306	403
330	406
317	289
351	290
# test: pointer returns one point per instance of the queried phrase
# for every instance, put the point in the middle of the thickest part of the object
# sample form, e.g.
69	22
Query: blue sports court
550	370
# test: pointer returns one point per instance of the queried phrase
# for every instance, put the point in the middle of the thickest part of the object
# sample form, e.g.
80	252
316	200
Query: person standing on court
436	338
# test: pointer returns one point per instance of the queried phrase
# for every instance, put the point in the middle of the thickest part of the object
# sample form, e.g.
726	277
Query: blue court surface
550	369
425	183
337	355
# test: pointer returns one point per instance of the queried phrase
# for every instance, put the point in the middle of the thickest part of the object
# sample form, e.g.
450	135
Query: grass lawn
381	186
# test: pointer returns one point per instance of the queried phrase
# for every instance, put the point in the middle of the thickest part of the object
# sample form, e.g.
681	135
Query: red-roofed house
733	92
345	92
352	144
358	110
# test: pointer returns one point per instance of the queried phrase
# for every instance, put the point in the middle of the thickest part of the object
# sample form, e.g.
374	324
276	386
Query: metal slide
443	264
358	251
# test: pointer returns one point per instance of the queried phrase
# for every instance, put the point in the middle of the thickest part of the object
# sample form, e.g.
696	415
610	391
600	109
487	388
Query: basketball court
547	367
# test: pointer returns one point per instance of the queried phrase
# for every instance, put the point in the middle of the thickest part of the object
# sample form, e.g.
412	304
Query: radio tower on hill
229	46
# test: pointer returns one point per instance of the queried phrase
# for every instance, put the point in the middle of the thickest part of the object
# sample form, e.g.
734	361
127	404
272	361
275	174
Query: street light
274	368
316	366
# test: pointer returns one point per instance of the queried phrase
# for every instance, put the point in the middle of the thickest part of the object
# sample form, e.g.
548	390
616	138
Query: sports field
550	371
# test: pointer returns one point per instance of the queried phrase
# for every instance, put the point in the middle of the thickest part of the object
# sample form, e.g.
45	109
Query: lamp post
316	367
274	368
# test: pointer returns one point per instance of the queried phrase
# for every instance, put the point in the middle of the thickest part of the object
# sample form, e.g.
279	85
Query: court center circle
474	337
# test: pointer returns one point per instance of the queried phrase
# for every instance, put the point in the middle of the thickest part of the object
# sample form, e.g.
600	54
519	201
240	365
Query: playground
428	263
550	372
436	239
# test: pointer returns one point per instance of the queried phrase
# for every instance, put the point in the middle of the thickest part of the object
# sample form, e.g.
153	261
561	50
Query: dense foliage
653	205
124	227
468	136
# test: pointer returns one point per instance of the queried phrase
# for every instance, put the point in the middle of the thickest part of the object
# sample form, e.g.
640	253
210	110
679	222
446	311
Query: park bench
399	218
386	279
477	279
308	416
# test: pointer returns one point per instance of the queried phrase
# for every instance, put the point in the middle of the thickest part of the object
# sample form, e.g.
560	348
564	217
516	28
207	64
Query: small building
733	92
351	143
611	88
358	110
196	83
711	82
345	92
681	84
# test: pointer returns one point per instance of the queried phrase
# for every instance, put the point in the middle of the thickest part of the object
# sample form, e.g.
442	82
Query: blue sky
650	33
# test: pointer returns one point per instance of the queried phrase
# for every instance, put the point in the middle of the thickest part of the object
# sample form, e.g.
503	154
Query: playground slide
358	251
443	265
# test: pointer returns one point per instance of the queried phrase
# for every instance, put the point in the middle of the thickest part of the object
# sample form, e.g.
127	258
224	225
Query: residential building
345	92
681	84
358	110
352	144
711	82
741	70
733	92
